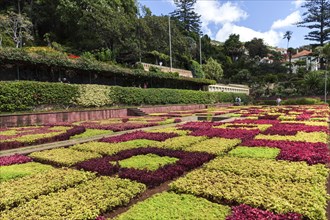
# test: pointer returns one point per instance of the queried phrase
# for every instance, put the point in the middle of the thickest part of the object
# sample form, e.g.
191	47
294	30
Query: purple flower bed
292	129
61	137
157	136
251	121
242	134
186	162
312	153
243	212
120	126
14	159
193	126
269	117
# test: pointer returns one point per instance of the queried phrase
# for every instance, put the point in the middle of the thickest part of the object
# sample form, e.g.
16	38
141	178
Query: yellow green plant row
85	201
272	194
166	206
216	146
113	148
15	192
63	156
20	170
300	136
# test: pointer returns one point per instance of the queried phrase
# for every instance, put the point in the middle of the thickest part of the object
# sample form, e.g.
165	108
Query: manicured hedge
28	95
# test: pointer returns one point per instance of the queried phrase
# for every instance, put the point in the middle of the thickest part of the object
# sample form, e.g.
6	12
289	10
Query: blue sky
264	19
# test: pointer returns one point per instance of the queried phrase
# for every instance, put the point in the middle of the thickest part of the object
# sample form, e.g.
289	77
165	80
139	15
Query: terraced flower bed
23	136
272	164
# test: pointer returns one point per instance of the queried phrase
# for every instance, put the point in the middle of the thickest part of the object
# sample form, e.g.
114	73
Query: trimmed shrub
93	96
26	95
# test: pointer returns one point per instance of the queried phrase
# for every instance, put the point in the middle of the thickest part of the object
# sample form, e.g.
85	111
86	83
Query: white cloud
213	12
217	13
288	21
270	37
298	3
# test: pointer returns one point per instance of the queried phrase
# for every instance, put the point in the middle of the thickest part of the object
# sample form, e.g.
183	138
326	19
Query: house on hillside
305	58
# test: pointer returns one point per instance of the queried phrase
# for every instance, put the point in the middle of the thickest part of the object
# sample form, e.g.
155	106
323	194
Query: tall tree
256	47
213	70
233	47
187	16
317	18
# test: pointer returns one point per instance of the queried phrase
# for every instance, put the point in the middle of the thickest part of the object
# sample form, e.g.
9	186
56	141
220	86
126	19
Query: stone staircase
135	112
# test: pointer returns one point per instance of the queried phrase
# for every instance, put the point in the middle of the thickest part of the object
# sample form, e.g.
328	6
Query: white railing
228	88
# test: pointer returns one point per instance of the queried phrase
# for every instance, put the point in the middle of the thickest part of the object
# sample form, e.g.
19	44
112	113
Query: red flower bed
14	159
312	153
61	137
244	212
186	162
292	129
243	134
120	126
156	136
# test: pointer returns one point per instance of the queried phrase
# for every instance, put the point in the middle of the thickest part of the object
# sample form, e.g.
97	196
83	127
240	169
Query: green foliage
24	95
196	69
138	96
213	70
216	146
93	96
185	13
112	148
279	186
63	156
255	152
166	206
148	161
19	191
180	143
302	101
60	60
91	133
85	201
20	170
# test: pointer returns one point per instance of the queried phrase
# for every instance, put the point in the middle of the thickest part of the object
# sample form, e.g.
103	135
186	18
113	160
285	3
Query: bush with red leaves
312	153
244	212
14	159
186	162
155	136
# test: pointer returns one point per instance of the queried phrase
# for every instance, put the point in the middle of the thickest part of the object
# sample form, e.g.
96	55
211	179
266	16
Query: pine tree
187	16
317	17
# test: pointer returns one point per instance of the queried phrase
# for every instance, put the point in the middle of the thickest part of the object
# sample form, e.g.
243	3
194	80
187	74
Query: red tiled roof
302	53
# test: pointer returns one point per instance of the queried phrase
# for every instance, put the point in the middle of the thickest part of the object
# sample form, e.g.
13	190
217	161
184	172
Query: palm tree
288	35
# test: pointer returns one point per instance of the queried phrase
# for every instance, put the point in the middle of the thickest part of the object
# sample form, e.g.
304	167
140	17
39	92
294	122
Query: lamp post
170	40
323	62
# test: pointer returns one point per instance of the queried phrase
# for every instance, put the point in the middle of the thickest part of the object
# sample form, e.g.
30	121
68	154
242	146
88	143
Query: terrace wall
13	120
58	117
